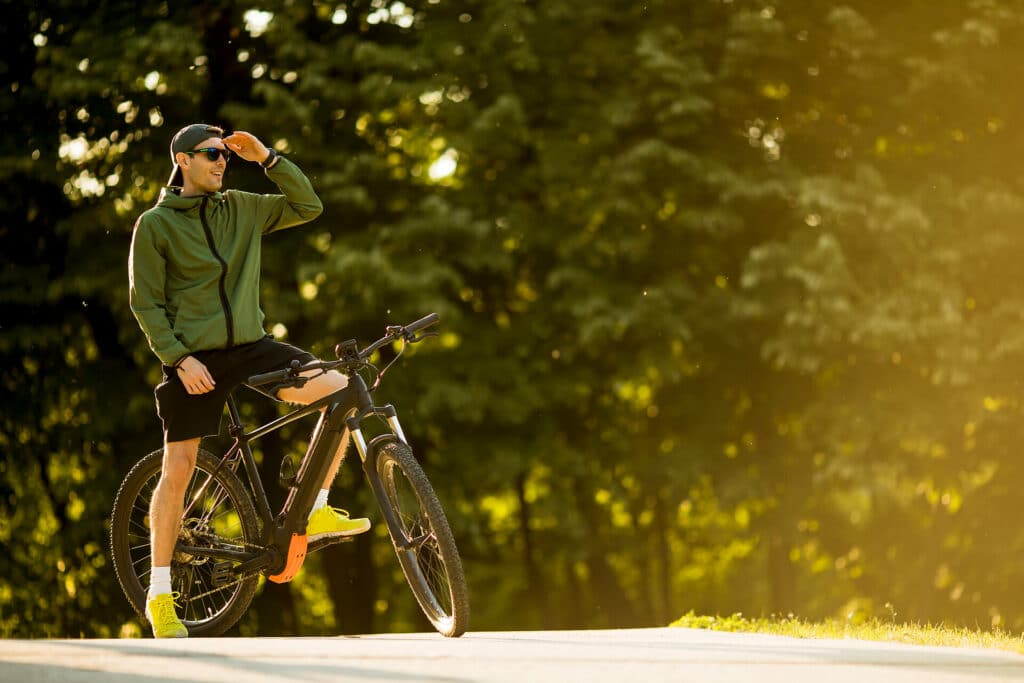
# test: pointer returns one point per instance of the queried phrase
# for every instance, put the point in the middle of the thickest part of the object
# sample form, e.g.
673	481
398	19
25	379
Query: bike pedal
221	573
324	542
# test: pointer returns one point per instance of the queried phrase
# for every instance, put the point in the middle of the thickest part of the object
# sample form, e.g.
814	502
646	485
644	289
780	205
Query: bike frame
342	410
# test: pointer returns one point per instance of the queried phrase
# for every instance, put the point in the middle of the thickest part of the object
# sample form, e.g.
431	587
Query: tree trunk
664	604
535	591
780	575
352	584
275	610
610	606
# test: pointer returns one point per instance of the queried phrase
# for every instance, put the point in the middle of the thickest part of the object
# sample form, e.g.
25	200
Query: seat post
235	428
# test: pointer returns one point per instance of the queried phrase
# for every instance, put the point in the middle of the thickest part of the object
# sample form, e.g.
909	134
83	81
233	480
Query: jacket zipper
228	318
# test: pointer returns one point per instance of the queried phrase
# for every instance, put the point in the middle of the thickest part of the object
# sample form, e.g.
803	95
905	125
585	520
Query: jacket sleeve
147	269
299	203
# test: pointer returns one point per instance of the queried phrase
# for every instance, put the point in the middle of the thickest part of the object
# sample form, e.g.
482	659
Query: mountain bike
230	536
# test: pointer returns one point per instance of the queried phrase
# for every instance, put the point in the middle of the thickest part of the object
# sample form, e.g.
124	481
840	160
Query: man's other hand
194	375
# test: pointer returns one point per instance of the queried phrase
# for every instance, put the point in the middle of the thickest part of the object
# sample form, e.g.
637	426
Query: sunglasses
212	153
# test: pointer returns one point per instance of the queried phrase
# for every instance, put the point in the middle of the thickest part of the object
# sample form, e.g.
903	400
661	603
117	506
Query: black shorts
187	416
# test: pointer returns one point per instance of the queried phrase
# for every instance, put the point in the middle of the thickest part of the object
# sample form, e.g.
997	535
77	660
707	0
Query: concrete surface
633	655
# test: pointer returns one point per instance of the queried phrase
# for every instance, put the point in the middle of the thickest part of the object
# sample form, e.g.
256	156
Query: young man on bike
194	272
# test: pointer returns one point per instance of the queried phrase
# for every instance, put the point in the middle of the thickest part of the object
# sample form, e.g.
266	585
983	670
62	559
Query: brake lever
297	381
420	337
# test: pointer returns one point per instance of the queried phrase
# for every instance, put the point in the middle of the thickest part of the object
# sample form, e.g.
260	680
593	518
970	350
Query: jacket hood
170	199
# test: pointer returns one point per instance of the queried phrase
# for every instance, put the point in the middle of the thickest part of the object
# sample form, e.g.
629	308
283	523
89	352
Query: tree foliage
728	289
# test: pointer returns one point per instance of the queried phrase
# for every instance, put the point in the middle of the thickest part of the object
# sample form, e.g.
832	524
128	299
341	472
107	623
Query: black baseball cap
185	140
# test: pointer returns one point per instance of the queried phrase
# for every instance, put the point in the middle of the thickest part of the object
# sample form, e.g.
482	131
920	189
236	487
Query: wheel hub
193	532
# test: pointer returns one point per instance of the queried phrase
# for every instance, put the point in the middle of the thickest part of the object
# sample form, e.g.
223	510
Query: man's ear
183	160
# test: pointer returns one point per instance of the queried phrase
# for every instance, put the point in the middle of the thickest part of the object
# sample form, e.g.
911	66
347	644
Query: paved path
631	656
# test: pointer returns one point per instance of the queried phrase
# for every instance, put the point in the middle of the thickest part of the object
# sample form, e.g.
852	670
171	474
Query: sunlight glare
74	150
257	21
445	166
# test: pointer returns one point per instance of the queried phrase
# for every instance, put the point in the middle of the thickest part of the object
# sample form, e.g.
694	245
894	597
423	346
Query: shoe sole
339	534
177	634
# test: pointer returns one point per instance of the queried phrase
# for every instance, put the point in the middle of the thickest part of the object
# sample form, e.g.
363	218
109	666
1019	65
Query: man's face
199	172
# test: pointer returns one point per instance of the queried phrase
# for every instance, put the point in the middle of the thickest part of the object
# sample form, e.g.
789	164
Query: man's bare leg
168	502
322	523
339	457
165	511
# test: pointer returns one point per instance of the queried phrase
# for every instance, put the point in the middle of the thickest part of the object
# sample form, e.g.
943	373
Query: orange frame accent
296	556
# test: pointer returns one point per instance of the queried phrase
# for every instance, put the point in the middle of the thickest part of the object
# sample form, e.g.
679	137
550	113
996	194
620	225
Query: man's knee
179	461
333	381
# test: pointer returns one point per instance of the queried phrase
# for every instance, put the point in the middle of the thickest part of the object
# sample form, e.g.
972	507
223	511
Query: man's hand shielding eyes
247	146
194	375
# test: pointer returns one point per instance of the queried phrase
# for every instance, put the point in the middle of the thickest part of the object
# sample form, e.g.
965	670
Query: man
194	272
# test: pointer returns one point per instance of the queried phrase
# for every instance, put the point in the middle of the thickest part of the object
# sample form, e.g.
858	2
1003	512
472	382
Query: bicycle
229	535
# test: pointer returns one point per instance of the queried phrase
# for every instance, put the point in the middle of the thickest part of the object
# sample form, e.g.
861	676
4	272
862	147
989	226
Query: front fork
389	414
395	526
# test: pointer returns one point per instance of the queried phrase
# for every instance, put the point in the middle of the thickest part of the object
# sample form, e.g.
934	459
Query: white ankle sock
321	500
159	582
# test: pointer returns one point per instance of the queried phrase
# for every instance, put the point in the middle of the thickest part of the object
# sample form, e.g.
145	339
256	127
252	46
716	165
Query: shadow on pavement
62	669
32	673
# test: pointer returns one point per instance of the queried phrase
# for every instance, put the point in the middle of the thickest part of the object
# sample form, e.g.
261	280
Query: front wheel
424	542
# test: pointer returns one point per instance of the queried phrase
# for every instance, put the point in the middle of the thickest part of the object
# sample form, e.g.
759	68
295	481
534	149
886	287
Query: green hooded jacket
194	284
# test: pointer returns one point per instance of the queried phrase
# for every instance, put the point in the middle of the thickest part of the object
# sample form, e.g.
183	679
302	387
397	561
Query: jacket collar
170	198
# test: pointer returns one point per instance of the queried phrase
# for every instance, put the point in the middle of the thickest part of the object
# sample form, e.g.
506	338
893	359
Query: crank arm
218	553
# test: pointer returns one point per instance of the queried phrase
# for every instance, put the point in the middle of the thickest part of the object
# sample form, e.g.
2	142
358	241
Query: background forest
731	294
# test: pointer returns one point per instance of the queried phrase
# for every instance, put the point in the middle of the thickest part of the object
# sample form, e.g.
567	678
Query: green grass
865	629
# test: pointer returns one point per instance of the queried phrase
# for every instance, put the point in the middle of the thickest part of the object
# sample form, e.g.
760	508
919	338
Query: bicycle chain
218	589
240	579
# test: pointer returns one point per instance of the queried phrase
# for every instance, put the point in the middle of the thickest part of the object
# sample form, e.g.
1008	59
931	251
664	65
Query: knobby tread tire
144	471
393	453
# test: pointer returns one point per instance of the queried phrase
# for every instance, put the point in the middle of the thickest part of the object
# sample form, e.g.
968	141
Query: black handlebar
395	332
275	376
425	321
267	378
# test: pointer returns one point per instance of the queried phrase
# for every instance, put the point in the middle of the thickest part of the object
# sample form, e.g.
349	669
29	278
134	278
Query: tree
730	315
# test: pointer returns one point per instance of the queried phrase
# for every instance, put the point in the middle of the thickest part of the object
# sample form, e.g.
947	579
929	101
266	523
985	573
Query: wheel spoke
143	558
139	527
433	568
141	546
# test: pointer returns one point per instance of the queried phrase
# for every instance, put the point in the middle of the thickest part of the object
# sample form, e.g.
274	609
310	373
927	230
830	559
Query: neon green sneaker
163	618
328	522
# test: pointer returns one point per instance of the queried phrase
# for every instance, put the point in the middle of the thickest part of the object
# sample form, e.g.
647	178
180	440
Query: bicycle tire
130	543
433	569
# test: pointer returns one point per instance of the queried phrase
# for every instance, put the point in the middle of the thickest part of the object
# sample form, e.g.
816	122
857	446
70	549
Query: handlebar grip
426	321
267	378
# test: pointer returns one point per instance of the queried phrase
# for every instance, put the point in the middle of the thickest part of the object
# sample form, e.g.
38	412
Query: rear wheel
221	515
431	561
